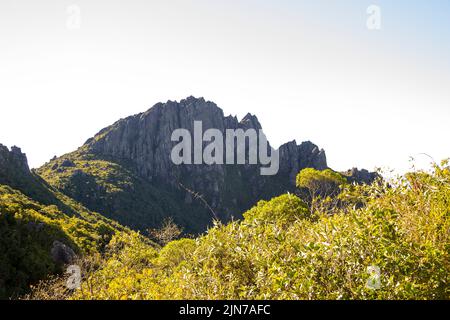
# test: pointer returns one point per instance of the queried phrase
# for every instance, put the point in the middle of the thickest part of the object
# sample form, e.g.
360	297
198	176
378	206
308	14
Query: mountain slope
115	190
41	229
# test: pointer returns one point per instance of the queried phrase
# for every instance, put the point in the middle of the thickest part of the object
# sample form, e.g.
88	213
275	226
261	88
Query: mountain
41	229
125	171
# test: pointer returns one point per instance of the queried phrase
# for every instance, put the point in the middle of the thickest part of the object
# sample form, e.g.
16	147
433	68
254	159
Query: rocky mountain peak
250	121
14	172
192	100
356	175
13	161
144	142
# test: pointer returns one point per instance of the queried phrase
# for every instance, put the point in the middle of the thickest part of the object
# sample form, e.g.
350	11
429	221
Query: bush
283	209
176	252
322	184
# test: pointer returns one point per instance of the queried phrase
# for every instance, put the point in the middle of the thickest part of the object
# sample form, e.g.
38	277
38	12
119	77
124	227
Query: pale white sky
310	70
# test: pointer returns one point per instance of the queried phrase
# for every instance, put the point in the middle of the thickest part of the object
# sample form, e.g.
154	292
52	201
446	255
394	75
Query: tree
167	233
321	185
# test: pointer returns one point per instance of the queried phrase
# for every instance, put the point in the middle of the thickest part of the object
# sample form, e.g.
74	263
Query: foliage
283	210
320	183
176	252
115	190
281	251
168	232
27	232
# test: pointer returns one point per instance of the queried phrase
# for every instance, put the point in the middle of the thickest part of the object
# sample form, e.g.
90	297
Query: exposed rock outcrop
145	140
361	176
14	169
13	161
62	254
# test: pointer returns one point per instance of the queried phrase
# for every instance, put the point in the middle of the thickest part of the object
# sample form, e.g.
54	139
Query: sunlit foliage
28	230
283	250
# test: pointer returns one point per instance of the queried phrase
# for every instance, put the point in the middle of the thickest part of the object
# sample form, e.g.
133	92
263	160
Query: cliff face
144	140
14	172
140	146
13	164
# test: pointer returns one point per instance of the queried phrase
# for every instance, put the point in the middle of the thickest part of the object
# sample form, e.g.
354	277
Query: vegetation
286	249
168	232
28	230
320	183
120	194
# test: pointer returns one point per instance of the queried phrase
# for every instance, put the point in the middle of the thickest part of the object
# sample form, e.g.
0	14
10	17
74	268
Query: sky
310	70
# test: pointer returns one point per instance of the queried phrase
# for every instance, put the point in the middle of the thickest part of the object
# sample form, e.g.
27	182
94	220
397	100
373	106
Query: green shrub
322	184
176	252
283	209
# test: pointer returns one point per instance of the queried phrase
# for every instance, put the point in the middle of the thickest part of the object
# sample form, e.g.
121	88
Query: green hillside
113	188
38	224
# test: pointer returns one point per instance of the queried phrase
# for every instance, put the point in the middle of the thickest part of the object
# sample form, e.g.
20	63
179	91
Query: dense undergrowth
383	241
28	230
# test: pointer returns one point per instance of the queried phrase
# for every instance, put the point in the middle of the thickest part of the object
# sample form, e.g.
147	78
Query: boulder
62	254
